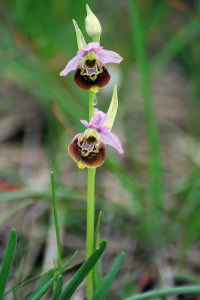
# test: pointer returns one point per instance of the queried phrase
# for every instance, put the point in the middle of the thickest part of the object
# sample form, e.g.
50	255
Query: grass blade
175	44
40	292
42	283
56	220
109	278
22	284
191	289
7	261
82	272
97	270
155	163
14	293
58	289
97	231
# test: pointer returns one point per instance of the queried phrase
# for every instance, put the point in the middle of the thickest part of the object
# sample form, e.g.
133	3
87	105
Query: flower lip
87	154
90	77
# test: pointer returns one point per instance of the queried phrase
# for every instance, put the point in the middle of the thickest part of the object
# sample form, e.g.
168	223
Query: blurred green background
150	196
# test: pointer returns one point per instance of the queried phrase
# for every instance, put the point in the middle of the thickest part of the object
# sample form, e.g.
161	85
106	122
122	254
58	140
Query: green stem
90	212
91	104
192	289
56	220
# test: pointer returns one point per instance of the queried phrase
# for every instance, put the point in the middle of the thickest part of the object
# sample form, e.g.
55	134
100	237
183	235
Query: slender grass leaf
97	231
82	272
14	292
56	220
22	284
25	193
42	283
177	42
97	270
191	289
109	278
38	295
155	160
58	289
8	260
14	209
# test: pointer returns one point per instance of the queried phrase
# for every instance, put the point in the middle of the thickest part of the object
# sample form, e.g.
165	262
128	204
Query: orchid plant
88	149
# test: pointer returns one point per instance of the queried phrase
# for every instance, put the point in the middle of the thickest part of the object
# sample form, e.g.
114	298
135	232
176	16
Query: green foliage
82	272
56	220
167	292
109	278
58	289
44	281
97	270
8	260
45	285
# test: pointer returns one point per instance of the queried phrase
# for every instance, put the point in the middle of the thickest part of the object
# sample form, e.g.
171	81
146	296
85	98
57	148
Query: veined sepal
79	36
112	110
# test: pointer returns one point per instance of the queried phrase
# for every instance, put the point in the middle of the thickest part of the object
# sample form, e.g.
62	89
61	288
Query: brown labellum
89	76
87	152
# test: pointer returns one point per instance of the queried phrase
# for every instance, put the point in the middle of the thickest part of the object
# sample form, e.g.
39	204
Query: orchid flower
89	64
107	137
88	149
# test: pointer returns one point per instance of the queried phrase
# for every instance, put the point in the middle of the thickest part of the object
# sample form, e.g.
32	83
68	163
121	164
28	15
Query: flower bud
92	25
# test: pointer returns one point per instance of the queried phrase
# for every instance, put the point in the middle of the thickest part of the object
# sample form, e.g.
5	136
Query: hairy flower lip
94	159
86	82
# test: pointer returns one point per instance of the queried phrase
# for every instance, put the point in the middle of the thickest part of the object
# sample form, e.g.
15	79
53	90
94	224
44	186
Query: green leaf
97	230
109	278
48	274
82	272
97	270
58	289
79	36
14	292
180	290
56	219
42	283
7	261
40	292
112	111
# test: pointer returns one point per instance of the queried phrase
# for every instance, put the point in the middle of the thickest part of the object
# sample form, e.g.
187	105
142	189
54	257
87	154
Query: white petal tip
63	73
120	59
121	151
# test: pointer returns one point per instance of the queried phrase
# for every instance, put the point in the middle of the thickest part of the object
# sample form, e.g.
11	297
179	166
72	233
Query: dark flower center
90	63
91	140
88	145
